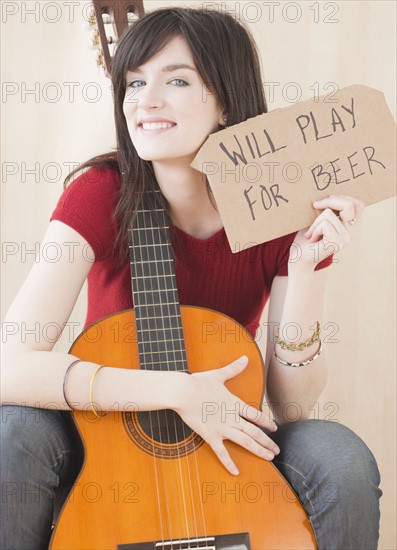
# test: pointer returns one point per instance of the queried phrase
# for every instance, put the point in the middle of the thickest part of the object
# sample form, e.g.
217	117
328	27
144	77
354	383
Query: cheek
129	108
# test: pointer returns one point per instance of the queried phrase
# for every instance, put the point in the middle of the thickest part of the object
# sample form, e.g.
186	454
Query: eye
135	83
179	82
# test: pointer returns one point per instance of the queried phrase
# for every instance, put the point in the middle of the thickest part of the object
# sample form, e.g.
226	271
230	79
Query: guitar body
134	489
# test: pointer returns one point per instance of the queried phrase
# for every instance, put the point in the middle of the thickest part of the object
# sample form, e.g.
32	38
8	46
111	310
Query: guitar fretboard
157	313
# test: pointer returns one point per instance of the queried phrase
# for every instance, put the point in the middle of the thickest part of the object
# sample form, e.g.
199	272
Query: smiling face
168	110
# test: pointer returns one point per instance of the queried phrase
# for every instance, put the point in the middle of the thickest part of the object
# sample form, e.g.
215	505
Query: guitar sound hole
164	426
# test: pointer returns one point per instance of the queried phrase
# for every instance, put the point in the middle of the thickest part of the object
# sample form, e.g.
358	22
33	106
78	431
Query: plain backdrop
57	111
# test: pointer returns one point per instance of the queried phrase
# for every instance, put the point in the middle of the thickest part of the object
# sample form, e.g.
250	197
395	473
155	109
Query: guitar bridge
235	541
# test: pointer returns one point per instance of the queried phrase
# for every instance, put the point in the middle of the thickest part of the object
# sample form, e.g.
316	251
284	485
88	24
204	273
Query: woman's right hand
214	413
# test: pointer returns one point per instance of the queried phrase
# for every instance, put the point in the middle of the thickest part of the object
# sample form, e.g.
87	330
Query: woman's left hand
332	230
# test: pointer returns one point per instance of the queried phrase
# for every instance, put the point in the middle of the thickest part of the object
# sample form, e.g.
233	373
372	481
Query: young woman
178	76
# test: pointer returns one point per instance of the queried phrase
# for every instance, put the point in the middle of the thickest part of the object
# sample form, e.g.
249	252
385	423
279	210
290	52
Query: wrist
300	270
177	390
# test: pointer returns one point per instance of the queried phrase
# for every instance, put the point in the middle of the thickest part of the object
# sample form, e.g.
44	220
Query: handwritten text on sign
266	172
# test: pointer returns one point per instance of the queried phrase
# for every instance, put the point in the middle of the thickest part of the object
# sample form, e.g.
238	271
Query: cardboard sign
266	172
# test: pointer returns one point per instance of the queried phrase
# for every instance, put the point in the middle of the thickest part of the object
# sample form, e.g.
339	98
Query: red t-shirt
208	274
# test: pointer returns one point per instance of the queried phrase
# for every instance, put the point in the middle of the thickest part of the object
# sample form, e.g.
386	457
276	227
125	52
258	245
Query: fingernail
276	450
267	454
316	203
235	472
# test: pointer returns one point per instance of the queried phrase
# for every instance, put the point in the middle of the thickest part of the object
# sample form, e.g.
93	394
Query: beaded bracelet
302	363
301	345
91	386
65	380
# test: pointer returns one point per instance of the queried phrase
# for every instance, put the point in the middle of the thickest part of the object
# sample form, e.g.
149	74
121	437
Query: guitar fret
155	277
167	292
169	340
164	352
151	261
152	210
163	304
138	229
159	330
151	245
142	317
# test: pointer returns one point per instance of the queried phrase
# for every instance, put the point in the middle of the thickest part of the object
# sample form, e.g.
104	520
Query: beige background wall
47	51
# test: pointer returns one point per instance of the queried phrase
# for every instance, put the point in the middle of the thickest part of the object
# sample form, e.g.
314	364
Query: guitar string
160	244
150	418
146	227
144	231
194	457
197	478
167	248
138	231
157	240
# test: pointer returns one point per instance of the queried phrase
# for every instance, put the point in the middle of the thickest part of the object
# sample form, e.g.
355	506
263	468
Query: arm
299	300
296	302
32	374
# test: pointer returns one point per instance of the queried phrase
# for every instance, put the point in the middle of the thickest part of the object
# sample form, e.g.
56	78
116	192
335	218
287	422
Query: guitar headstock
112	18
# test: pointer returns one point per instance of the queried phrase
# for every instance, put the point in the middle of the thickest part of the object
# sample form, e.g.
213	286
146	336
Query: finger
334	222
260	437
344	207
331	231
359	204
233	369
250	444
221	452
257	416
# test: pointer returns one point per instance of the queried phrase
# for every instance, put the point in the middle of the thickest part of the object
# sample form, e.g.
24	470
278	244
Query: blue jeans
330	468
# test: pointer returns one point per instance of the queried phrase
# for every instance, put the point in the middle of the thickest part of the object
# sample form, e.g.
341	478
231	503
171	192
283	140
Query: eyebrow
170	68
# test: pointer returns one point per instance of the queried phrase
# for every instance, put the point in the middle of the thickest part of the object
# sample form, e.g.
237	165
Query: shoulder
87	205
97	183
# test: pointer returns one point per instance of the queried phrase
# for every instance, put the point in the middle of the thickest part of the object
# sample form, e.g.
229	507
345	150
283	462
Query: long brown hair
226	58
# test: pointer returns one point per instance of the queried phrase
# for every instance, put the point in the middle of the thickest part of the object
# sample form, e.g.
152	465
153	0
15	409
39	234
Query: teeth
156	125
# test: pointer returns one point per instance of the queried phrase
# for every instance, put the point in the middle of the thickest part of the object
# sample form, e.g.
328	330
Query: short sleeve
282	255
87	205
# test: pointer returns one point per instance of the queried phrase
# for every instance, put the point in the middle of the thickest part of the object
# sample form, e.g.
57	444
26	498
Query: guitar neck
158	320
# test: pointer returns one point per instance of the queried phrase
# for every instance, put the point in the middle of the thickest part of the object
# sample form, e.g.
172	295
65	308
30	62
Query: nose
150	97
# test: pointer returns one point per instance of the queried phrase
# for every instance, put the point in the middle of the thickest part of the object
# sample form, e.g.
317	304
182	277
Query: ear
222	119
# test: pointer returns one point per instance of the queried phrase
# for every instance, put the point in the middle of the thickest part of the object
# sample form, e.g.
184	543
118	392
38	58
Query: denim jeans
330	468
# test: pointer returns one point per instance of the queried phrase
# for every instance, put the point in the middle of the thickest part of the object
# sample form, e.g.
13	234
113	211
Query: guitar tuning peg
107	18
132	17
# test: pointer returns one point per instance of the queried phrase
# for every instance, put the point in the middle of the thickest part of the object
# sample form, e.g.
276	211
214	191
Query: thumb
233	369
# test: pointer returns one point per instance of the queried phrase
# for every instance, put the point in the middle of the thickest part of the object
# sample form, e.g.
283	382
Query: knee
344	454
335	454
30	434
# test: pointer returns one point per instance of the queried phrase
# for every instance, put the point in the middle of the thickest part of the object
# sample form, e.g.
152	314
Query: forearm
292	391
36	379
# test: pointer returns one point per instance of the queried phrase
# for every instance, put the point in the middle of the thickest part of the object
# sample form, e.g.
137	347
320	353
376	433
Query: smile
151	126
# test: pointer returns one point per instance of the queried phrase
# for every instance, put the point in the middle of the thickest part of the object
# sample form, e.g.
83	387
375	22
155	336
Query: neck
186	192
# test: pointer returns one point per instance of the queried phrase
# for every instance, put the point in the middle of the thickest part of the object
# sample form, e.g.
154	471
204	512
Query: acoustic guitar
148	481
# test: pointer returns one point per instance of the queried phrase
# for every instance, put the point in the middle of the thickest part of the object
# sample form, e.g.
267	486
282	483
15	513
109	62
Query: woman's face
168	109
